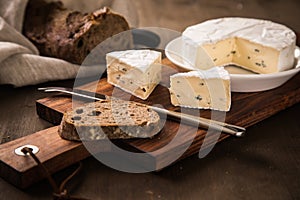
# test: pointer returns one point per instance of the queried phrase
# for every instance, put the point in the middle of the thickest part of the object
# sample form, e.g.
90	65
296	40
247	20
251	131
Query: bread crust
112	119
69	35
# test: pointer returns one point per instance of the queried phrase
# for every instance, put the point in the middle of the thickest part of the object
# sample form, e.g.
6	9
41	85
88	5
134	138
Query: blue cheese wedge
203	89
258	45
137	72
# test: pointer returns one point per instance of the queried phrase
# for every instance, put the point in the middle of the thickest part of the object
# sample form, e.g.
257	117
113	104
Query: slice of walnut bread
112	119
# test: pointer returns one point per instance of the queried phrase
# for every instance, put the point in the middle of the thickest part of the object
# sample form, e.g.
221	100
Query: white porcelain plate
241	80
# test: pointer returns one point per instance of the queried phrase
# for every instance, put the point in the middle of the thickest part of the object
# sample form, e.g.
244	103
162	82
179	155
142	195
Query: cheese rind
135	71
205	89
258	45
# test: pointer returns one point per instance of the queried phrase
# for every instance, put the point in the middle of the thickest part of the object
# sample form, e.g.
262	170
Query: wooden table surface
263	165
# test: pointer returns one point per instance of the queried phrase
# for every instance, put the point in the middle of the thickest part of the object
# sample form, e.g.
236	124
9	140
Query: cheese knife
230	129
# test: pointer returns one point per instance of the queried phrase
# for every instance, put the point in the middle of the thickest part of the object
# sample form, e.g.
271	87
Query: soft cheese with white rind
204	89
135	71
258	45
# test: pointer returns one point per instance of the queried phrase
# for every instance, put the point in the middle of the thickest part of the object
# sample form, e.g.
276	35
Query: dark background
263	165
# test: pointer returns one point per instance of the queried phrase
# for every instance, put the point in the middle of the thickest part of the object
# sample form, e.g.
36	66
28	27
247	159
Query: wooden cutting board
247	109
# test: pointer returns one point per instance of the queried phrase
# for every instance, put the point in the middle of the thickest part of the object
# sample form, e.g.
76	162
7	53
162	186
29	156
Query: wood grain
264	165
247	110
56	153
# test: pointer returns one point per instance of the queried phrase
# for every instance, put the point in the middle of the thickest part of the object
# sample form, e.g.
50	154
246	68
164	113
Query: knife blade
185	118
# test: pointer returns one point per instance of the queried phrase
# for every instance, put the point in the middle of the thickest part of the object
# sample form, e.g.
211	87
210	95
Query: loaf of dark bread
113	119
69	35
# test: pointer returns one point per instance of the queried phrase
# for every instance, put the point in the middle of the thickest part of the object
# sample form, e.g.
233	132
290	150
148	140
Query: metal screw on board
19	152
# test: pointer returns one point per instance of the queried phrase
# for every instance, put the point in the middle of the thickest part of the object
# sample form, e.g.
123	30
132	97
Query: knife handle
203	122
